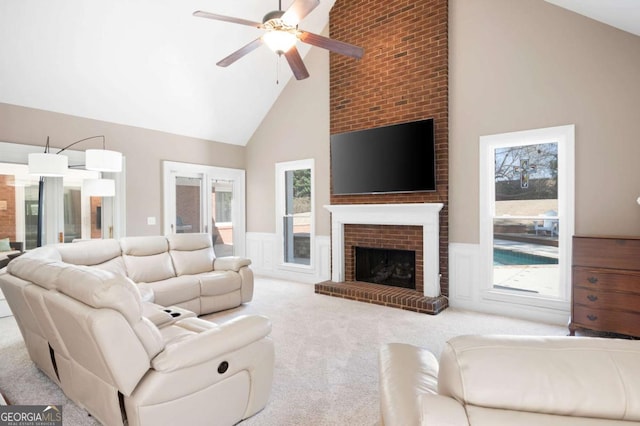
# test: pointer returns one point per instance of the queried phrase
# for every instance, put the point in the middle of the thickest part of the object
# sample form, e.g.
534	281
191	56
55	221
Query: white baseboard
468	291
263	249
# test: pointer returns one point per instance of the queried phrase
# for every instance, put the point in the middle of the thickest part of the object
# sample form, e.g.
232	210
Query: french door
206	199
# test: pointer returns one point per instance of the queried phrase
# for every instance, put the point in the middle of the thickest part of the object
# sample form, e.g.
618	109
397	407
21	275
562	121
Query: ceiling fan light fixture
279	41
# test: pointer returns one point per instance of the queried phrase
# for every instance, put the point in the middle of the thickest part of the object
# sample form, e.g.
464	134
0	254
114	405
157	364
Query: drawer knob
592	317
592	280
592	297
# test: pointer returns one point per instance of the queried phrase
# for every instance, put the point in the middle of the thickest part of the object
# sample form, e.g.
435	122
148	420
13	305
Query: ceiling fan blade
298	10
295	62
202	14
240	53
332	45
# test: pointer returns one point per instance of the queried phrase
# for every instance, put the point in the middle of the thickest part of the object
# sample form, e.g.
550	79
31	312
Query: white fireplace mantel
417	214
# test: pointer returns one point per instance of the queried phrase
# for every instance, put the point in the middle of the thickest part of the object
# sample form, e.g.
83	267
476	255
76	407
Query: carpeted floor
326	354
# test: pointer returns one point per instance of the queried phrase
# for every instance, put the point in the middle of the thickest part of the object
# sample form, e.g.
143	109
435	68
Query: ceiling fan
281	34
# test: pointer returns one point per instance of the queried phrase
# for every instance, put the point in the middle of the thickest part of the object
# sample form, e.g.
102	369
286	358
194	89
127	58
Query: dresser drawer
606	300
606	320
614	253
602	279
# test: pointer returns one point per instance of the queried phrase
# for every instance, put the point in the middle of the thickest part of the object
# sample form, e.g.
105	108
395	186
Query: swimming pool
510	257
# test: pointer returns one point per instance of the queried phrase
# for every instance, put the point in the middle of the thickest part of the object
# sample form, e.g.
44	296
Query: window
526	215
294	215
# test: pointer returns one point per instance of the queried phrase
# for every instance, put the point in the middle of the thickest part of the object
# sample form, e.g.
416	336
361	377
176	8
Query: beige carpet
326	354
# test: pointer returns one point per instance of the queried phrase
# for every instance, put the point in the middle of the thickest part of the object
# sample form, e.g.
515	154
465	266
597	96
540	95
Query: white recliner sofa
136	362
179	269
512	380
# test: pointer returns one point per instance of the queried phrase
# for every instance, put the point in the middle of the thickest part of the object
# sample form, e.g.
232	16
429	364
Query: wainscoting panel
464	272
467	290
262	249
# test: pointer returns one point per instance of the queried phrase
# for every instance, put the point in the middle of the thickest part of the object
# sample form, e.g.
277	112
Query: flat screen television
396	158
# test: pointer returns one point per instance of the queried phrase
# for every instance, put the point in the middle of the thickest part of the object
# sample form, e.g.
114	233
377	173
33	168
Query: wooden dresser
606	285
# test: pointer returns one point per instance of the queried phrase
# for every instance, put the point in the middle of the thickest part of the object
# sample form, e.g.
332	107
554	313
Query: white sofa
512	380
136	362
180	269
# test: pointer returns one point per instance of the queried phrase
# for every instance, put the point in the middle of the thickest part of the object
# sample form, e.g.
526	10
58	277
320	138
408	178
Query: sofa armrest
209	344
406	373
442	411
230	263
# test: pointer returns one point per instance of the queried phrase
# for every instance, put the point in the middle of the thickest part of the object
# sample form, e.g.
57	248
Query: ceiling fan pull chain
278	70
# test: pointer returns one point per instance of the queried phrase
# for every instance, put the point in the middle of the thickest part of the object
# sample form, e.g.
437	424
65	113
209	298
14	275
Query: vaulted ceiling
145	63
151	64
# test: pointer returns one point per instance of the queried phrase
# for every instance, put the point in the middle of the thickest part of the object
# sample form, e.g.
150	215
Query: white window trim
565	138
280	190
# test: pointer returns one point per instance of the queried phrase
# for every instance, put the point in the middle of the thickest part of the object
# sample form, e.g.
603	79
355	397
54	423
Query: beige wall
517	65
513	66
144	151
296	128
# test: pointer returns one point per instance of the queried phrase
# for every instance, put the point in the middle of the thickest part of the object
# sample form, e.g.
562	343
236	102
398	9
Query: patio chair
548	225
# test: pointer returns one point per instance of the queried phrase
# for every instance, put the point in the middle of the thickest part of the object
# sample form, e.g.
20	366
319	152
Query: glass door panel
222	217
31	216
72	214
526	223
297	217
188	204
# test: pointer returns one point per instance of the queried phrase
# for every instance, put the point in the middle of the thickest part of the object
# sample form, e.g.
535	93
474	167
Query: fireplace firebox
386	266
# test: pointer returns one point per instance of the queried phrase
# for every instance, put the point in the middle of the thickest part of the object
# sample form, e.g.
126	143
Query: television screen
396	158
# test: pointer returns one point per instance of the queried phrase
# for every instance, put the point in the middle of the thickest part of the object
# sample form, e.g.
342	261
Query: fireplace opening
386	266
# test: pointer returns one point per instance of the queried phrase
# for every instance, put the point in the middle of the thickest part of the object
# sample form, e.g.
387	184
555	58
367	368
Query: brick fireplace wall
402	77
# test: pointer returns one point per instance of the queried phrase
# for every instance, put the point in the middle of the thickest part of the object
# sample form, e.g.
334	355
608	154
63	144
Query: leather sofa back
574	377
102	254
191	253
104	309
147	259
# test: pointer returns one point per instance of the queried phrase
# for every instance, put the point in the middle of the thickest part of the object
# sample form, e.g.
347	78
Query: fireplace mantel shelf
420	214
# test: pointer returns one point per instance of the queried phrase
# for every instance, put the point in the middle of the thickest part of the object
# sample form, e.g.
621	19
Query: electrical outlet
151	220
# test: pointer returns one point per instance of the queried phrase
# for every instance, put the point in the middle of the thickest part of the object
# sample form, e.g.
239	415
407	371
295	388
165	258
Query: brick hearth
385	295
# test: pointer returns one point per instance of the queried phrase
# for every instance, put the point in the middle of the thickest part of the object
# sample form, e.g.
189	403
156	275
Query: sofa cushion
481	416
4	245
147	258
191	253
101	289
219	282
40	271
176	290
552	375
89	252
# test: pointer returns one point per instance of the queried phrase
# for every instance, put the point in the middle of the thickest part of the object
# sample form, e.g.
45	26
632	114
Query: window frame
280	191
564	136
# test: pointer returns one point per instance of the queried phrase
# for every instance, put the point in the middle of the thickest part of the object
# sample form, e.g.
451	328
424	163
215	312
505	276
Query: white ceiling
151	64
622	14
145	63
